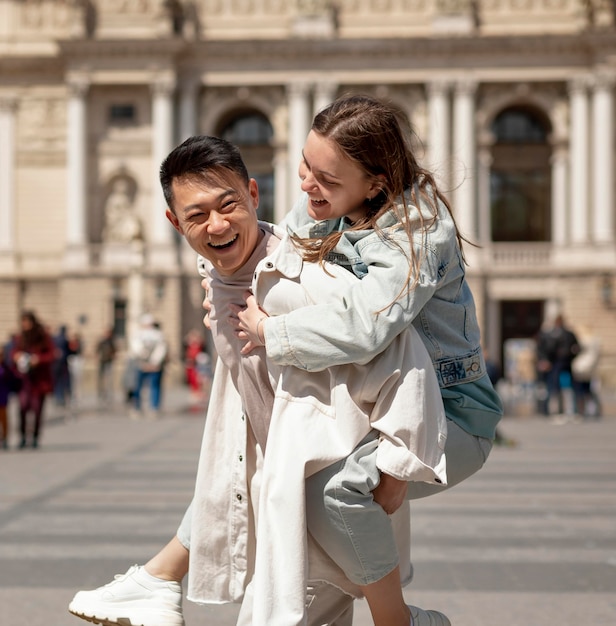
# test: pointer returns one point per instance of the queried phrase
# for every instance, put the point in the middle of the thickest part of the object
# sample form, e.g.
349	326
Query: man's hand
390	493
247	322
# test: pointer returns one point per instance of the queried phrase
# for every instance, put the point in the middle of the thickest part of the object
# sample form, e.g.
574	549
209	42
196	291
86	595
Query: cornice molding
113	48
418	52
586	50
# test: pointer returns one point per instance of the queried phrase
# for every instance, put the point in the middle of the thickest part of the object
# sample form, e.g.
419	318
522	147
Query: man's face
218	218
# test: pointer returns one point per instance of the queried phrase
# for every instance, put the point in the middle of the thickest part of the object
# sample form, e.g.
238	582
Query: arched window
252	133
520	184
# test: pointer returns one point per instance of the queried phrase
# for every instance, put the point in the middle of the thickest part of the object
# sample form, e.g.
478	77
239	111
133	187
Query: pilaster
438	114
76	254
579	156
299	125
464	157
8	107
161	250
603	158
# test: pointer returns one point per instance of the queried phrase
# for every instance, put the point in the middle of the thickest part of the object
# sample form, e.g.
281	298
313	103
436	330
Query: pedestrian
106	352
7	385
557	346
149	349
201	191
193	346
76	365
584	369
32	355
62	383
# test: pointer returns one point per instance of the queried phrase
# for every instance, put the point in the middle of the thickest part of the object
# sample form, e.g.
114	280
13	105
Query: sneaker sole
120	621
123	621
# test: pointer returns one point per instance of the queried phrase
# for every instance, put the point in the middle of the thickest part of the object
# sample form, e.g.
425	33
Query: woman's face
336	186
26	323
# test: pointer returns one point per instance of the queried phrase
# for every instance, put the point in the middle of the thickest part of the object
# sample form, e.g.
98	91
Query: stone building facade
512	101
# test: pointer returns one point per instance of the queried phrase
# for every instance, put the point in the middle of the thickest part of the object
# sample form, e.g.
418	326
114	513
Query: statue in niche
122	225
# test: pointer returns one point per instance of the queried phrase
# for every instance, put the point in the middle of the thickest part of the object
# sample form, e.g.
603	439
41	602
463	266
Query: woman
33	355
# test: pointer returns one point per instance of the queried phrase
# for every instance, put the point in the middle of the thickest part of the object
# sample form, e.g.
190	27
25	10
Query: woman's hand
247	323
390	493
207	305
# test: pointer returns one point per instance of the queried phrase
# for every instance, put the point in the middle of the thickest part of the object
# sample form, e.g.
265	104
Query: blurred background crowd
48	370
52	371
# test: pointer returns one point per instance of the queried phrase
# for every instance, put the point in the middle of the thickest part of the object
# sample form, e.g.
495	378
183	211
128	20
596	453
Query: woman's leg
38	403
24	407
356	532
343	517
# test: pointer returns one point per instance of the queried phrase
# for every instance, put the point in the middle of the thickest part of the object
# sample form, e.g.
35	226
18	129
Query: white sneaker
131	599
428	618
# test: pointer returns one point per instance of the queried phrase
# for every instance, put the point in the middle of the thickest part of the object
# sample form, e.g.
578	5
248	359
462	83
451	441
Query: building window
252	133
520	180
248	130
122	114
119	317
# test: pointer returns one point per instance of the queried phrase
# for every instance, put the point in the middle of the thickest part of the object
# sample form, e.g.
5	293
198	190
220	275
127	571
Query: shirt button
239	496
240	457
269	265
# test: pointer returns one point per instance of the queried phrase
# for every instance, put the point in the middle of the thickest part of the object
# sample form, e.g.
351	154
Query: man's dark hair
201	157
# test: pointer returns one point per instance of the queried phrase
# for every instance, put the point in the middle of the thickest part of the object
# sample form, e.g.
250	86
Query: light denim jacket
365	319
441	306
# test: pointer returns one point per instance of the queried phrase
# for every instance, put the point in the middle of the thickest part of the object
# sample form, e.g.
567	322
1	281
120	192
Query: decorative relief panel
41	124
41	14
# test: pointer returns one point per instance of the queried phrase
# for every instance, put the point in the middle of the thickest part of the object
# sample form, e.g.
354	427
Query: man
557	346
217	214
149	349
106	353
213	203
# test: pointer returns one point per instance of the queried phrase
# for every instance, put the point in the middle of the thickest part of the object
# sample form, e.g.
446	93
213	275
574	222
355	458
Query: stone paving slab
530	540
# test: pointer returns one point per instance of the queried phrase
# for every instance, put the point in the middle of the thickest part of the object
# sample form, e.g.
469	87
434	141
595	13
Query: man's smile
223	244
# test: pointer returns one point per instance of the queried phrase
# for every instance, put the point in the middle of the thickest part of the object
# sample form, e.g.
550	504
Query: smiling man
213	202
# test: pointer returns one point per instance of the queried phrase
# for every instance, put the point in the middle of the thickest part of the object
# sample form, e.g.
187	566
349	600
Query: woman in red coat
33	354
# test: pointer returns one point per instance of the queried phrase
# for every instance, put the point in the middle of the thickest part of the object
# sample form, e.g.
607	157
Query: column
189	93
559	195
324	94
484	159
603	159
299	125
76	169
464	158
281	205
579	155
161	231
8	106
438	114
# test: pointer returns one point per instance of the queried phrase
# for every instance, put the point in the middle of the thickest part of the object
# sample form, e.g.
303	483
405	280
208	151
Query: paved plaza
530	540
